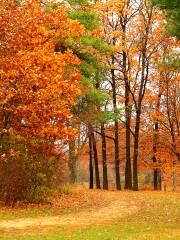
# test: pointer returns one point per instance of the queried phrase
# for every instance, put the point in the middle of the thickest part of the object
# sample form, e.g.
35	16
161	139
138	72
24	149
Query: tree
172	9
39	77
108	14
160	119
37	84
90	50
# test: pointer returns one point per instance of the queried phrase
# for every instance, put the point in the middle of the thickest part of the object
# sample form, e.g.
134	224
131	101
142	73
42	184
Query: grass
12	214
157	219
33	211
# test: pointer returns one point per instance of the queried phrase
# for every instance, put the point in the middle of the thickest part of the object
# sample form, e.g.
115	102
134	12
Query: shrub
64	189
28	174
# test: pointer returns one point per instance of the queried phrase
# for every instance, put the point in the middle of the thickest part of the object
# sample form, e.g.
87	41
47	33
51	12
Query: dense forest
90	92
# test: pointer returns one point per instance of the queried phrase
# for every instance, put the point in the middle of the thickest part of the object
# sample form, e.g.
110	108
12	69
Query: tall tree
37	82
108	18
90	50
82	11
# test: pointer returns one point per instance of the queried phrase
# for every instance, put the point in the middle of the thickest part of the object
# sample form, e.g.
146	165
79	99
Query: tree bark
73	163
116	130
157	171
156	130
91	175
96	165
136	147
104	157
128	172
117	162
142	90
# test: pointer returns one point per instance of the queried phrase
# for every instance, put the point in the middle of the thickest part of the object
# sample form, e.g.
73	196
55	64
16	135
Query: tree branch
105	135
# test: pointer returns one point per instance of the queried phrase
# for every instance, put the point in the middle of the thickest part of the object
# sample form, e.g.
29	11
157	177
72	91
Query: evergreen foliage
172	7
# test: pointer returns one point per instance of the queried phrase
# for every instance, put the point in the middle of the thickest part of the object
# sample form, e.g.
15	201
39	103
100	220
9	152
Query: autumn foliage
39	82
103	72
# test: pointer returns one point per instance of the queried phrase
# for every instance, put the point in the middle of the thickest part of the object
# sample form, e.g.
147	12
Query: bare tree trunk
116	130
156	130
135	155
117	162
104	157
157	178
174	179
172	132
157	171
142	90
138	104
73	162
91	175
128	171
96	165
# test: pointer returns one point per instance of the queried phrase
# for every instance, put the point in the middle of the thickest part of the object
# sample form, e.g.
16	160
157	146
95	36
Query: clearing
91	215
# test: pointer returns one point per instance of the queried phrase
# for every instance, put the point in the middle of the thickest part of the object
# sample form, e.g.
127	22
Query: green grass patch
157	219
32	213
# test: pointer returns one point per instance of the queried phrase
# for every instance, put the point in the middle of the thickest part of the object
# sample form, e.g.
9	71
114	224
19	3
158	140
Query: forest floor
95	215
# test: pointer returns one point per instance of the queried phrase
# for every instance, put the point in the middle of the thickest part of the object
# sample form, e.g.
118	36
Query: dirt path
115	210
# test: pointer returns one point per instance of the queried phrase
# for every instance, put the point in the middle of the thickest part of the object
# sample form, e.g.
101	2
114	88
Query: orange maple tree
39	79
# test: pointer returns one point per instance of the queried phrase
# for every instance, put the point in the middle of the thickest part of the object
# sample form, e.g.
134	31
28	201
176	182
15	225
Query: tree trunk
157	178
117	162
73	162
144	78
104	158
135	155
157	171
128	172
96	165
174	181
138	103
116	130
171	120
91	176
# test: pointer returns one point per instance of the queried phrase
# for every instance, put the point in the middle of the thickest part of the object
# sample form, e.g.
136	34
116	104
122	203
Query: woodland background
90	92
